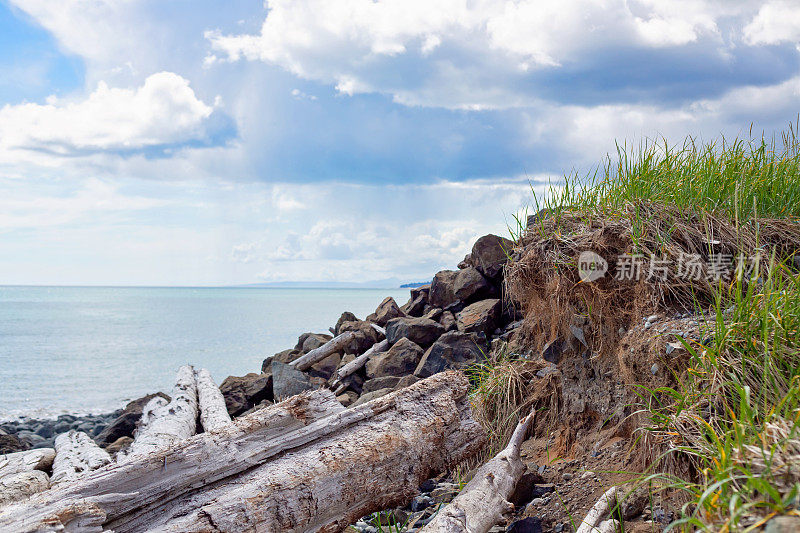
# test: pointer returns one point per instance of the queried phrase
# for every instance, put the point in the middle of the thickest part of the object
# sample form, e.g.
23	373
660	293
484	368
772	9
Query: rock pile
447	324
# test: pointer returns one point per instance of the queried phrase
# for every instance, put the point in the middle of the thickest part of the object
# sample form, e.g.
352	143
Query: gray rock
244	392
288	381
419	330
654	369
552	351
123	425
401	359
442	292
347	316
479	316
448	321
783	524
415	305
489	255
471	285
312	341
371	396
12	443
453	350
286	356
530	524
387	310
385	382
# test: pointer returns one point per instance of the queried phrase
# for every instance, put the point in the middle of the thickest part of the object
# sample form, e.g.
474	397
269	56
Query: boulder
415	306
387	310
243	392
421	331
530	524
347	316
347	398
470	285
11	444
453	350
309	341
448	321
422	290
119	445
385	382
371	396
365	337
481	316
489	255
442	292
401	359
125	423
286	356
405	381
288	381
324	369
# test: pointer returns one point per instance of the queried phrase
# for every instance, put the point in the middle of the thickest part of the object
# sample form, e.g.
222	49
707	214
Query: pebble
654	369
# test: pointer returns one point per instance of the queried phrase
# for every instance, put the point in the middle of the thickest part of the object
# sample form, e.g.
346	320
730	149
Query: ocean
89	350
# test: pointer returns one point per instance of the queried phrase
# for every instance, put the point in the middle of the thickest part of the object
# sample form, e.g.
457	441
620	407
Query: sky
194	142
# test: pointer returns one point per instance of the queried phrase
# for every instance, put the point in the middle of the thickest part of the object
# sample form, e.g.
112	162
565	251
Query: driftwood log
357	363
19	486
316	355
213	413
483	502
164	423
76	454
14	463
599	511
303	464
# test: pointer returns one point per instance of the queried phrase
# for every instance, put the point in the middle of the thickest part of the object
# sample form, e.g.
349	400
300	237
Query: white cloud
776	22
355	45
163	111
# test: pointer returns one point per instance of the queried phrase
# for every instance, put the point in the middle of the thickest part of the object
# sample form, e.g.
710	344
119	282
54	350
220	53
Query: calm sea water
91	349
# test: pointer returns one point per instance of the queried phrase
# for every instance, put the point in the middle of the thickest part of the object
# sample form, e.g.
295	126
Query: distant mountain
413	284
390	283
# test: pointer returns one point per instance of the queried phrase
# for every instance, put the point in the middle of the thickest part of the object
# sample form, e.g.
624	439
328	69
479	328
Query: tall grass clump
739	179
732	416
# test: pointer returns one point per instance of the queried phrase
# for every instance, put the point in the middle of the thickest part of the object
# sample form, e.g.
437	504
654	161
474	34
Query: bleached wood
145	481
598	511
76	454
213	413
307	463
361	360
16	462
163	425
608	526
331	482
19	486
483	502
316	355
378	328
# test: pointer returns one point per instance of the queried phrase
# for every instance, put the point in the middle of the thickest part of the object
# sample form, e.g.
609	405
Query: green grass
734	415
739	178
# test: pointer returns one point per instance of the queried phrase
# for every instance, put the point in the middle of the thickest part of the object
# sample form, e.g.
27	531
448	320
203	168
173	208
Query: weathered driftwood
14	463
598	511
303	463
163	425
19	486
213	413
379	462
483	502
608	526
316	355
361	360
378	328
76	454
